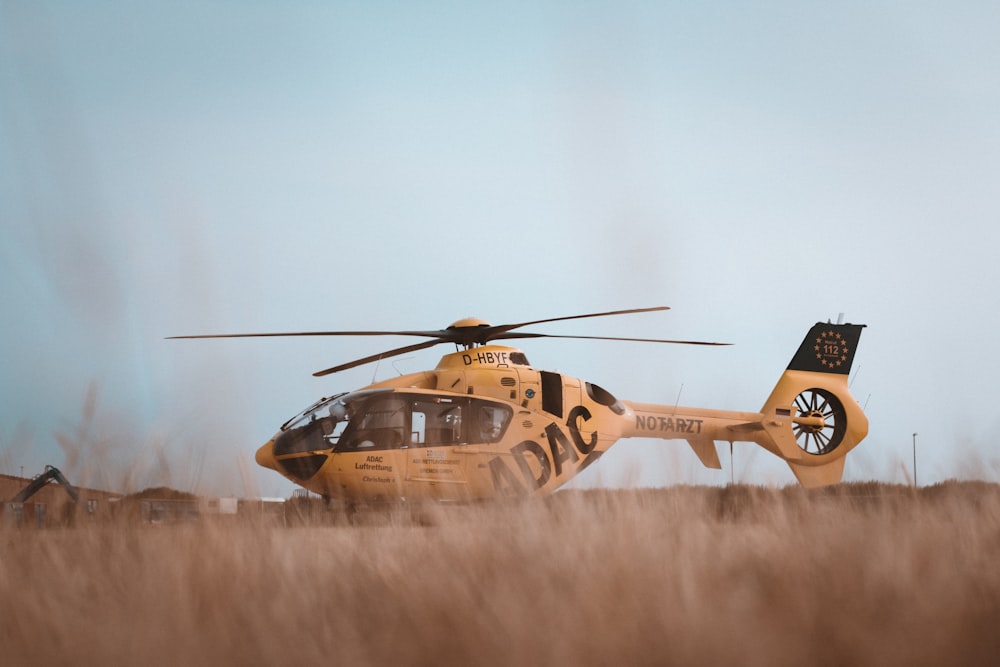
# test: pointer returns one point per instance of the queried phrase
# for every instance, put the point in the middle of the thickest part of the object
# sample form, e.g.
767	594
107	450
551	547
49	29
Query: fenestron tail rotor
467	333
820	439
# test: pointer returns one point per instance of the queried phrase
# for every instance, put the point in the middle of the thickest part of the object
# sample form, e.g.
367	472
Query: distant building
52	504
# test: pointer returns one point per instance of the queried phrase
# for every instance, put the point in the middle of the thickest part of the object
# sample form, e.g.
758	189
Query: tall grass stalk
861	575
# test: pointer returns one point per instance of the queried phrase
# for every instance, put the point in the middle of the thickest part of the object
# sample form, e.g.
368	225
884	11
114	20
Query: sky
219	167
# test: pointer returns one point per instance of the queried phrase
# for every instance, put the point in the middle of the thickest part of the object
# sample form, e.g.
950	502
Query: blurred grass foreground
858	574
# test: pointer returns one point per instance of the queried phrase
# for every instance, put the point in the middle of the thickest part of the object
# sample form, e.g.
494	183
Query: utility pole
732	466
914	459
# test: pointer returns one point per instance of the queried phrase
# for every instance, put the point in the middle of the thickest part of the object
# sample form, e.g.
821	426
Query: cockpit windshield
309	414
320	426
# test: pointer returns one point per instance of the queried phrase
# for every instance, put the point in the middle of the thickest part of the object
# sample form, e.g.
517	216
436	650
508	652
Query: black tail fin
828	348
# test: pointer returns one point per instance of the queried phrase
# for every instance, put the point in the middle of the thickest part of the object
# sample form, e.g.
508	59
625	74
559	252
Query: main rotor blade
425	334
508	336
381	355
462	336
508	327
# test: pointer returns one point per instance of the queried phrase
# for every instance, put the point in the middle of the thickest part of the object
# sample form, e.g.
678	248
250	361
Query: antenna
677	402
396	368
840	318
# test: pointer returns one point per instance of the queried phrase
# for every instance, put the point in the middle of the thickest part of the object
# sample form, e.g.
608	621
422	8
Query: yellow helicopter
486	424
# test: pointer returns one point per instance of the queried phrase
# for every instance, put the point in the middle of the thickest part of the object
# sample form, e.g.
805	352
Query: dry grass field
863	574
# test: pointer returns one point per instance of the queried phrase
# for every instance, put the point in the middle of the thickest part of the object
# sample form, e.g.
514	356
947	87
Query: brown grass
858	575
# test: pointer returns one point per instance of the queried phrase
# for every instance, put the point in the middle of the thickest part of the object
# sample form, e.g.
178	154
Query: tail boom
810	419
702	428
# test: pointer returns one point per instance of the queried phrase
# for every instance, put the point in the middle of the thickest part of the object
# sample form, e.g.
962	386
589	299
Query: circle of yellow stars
831	349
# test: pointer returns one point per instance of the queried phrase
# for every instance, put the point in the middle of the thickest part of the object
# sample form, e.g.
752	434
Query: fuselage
483	424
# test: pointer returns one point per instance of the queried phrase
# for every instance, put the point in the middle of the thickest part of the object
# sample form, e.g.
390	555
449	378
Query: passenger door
437	450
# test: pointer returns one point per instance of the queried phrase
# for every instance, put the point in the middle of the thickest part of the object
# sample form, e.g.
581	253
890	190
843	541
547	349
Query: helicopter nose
265	456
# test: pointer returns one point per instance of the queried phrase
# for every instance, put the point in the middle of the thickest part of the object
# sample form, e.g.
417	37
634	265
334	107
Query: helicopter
486	424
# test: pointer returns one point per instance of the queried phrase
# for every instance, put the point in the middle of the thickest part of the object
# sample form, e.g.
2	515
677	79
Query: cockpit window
384	419
310	413
379	423
316	429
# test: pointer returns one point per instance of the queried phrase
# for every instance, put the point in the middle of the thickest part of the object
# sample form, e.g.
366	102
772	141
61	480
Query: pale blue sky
183	168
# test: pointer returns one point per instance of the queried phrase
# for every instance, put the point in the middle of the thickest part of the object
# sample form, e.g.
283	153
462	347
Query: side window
380	424
437	421
491	420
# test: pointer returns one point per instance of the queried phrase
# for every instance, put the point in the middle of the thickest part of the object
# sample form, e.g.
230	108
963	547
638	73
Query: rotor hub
469	323
817	414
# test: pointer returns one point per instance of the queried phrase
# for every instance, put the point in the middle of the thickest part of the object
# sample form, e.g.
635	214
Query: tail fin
810	416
